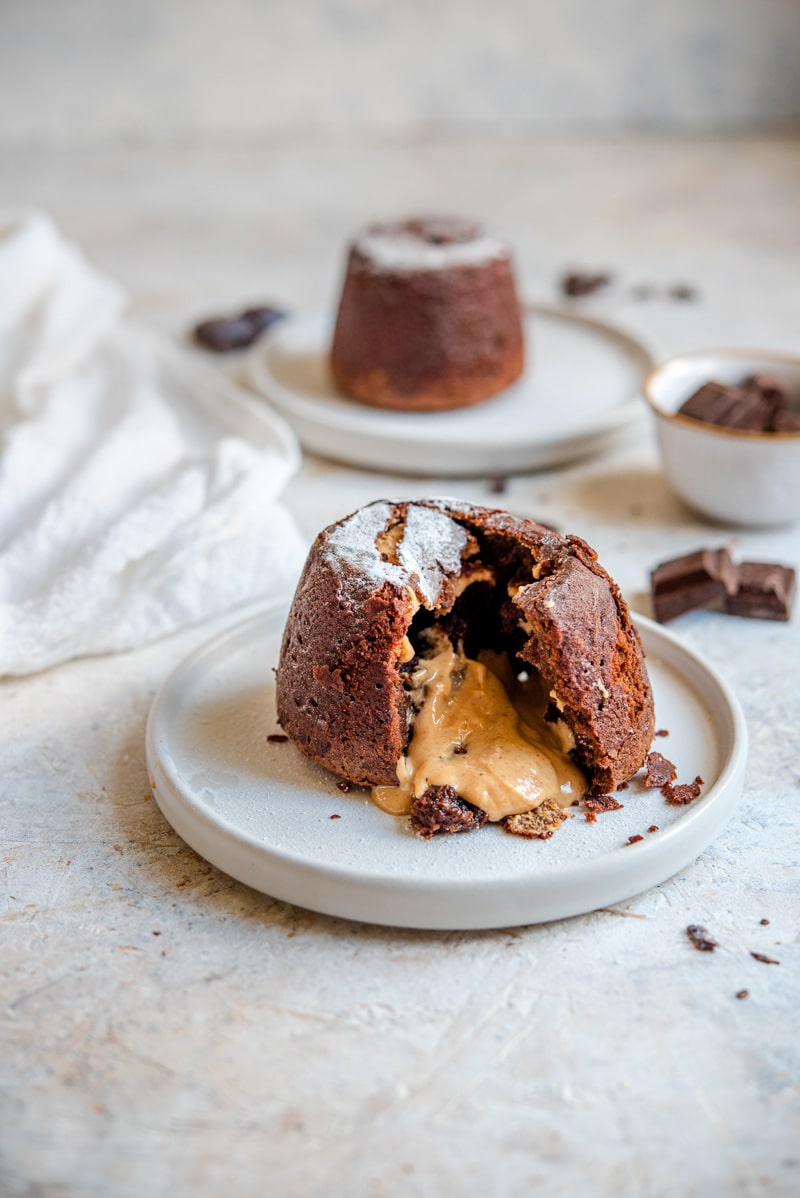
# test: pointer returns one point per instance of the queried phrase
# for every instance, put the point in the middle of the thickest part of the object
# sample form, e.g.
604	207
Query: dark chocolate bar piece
772	390
730	407
786	422
703	579
765	592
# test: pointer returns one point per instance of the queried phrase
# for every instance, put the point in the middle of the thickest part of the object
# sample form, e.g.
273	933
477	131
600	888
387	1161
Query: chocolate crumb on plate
661	732
222	334
635	839
703	579
599	803
441	810
683	292
742	993
701	938
277	738
539	824
763	922
764	959
498	484
659	771
765	592
653	828
682	795
336	817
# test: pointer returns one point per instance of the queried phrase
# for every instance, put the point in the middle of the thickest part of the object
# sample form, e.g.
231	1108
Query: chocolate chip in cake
703	579
765	591
701	938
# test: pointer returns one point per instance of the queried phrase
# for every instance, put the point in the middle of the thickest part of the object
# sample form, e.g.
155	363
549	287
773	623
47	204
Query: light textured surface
166	1030
83	69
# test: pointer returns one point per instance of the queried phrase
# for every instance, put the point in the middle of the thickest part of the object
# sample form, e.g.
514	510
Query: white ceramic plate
580	389
263	813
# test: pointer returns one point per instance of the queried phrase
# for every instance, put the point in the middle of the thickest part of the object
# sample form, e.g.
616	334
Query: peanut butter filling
482	731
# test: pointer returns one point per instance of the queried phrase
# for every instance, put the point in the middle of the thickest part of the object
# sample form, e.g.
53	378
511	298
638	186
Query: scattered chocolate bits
661	732
763	922
703	579
710	580
660	771
742	993
653	828
336	817
623	786
441	810
764	959
701	938
759	404
635	839
681	796
277	738
221	334
578	283
598	803
765	592
344	786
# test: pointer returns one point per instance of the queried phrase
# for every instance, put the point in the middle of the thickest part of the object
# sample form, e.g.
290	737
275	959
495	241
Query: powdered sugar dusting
429	551
402	251
431	546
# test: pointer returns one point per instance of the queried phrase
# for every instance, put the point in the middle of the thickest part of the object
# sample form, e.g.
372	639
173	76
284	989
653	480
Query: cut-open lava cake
466	664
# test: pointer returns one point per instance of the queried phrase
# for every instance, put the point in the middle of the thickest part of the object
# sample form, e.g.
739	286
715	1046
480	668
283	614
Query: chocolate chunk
765	592
772	391
730	407
703	579
681	796
701	938
577	283
764	959
225	333
442	810
660	771
786	422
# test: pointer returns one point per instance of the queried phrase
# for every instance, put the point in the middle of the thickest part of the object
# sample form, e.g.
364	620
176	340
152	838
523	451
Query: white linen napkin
137	486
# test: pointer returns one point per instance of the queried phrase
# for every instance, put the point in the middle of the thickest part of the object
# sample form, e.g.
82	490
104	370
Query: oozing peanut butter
482	731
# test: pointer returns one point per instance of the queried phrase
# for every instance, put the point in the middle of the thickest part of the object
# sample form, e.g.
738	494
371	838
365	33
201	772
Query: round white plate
263	813
580	389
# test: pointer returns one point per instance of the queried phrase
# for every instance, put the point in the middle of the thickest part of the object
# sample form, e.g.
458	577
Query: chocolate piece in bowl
728	406
466	664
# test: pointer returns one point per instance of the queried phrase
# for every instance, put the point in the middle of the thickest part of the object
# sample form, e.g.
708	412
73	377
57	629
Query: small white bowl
728	474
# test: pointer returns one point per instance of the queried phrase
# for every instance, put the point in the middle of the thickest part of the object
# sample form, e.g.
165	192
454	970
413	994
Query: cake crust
341	690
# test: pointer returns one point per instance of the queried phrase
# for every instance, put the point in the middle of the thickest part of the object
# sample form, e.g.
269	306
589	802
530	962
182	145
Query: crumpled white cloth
137	486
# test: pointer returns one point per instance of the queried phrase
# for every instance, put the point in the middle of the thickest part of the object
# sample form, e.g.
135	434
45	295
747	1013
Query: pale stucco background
189	69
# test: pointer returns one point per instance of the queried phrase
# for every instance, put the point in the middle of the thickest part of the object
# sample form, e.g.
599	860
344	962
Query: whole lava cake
466	664
428	317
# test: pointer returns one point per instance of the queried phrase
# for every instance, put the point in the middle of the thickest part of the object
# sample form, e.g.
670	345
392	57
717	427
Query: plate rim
582	872
312	419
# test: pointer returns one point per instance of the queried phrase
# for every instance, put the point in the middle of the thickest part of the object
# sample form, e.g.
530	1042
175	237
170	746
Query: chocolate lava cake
464	663
428	317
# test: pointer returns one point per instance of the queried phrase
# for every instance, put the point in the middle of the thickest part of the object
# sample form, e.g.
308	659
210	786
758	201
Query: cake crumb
661	732
635	839
763	922
681	796
765	960
660	771
742	993
653	828
539	824
336	817
701	938
600	803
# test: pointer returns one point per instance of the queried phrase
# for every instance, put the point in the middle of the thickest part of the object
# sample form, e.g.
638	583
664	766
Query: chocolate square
730	407
705	579
765	592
